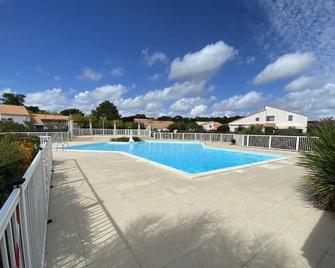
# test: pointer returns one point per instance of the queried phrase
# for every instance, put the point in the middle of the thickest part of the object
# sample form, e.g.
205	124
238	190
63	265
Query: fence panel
23	217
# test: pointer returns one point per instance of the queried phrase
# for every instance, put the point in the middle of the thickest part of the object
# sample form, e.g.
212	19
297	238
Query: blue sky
193	58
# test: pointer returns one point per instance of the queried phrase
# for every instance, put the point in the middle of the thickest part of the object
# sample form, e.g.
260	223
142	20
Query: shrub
16	154
223	129
253	129
125	139
291	131
320	164
7	126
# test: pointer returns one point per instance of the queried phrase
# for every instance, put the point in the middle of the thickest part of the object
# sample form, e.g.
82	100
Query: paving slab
112	210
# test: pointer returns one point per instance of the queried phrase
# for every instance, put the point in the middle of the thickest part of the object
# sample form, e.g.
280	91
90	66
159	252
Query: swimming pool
190	157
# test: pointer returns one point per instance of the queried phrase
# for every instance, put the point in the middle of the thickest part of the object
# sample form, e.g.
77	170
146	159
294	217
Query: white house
209	125
272	117
14	113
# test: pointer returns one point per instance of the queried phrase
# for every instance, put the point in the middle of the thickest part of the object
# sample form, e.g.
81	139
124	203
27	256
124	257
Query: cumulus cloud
285	66
186	104
302	82
89	99
153	102
89	74
202	64
317	103
152	58
118	71
51	99
198	110
252	99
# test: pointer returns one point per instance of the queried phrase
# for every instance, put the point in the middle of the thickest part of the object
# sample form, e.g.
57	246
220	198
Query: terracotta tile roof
13	109
38	119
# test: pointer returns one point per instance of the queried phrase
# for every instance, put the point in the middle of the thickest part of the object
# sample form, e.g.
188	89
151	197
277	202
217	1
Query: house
272	117
14	113
209	125
49	121
155	124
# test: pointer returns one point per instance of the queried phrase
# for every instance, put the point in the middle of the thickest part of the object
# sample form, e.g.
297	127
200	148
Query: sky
186	57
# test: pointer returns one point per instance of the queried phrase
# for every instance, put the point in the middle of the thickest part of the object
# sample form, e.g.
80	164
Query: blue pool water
188	157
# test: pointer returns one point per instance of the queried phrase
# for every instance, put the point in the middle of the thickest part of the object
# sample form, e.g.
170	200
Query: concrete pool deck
111	210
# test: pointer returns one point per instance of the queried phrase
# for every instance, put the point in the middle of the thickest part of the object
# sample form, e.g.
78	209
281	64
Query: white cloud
89	74
118	71
155	77
50	99
251	100
57	78
160	98
186	104
198	110
301	26
316	103
285	66
250	60
6	90
151	59
303	82
89	99
203	63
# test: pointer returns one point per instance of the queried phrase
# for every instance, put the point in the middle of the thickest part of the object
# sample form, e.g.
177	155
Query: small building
14	113
209	125
49	121
272	117
155	124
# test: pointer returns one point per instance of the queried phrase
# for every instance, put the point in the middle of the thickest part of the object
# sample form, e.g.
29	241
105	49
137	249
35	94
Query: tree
178	125
107	110
223	129
13	99
71	111
33	109
193	126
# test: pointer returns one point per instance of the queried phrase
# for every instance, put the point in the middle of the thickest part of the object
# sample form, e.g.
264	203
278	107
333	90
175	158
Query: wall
281	119
21	119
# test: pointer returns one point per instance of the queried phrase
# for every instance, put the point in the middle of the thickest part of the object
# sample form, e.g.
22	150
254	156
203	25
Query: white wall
281	119
21	119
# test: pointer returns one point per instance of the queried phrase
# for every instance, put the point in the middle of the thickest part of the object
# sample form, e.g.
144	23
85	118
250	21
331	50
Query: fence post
183	136
221	137
210	137
297	144
270	139
247	140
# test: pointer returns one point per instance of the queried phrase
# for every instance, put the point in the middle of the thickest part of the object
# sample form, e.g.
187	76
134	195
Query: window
290	117
270	118
257	118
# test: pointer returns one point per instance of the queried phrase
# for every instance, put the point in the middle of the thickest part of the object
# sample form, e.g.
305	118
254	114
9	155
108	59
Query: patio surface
111	210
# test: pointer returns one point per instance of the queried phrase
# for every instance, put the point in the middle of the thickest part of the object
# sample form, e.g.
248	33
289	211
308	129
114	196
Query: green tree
223	129
193	126
13	99
107	110
178	125
71	111
253	129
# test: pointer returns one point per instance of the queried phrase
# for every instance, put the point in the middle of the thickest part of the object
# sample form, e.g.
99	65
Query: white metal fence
23	218
56	137
193	136
295	143
116	132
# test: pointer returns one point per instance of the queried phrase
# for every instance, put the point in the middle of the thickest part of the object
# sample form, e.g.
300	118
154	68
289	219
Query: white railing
294	143
56	137
23	217
218	137
110	132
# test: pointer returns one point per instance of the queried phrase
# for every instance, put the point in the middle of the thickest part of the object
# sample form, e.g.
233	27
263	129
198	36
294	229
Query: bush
7	126
125	139
223	129
16	154
253	129
320	164
291	131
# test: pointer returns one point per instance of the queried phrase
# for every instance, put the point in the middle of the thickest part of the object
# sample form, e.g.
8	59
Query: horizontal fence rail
294	143
110	132
56	137
23	217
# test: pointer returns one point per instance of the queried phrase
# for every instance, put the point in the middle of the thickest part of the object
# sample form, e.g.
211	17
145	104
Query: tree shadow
86	232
